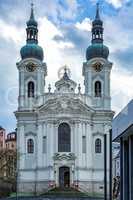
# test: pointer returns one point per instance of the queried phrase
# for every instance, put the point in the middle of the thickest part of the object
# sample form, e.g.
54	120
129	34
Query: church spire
32	49
97	12
97	28
97	48
32	30
32	12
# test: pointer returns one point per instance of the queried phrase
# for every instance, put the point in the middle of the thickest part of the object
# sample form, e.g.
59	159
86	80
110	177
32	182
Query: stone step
52	198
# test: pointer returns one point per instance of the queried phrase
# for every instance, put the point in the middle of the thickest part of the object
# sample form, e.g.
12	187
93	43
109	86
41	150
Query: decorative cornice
98	134
30	133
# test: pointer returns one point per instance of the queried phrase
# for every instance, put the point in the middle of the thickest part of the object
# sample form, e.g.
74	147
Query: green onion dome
32	50
97	50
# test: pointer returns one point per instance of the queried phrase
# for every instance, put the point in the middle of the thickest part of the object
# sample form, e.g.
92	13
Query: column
48	144
90	86
131	167
38	83
106	131
21	146
76	149
105	167
84	155
52	142
46	134
39	144
106	85
76	142
121	169
79	132
50	149
89	151
126	170
72	138
55	138
22	90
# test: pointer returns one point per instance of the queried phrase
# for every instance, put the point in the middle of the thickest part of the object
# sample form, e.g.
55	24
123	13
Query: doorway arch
64	177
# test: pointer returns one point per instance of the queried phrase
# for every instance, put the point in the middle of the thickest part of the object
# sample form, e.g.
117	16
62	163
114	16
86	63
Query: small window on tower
98	89
98	146
30	146
44	144
31	89
84	144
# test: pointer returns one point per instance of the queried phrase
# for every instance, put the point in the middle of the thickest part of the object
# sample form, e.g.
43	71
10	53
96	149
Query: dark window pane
64	138
31	89
30	146
98	89
98	146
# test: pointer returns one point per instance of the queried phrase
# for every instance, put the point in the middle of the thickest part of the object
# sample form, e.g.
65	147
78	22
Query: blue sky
64	34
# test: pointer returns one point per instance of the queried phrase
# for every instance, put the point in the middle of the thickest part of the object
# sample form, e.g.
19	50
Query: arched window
98	146
30	146
31	34
98	89
64	138
31	89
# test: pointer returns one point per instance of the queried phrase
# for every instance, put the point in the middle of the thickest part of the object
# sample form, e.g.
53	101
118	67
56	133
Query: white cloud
85	25
115	35
71	13
117	3
11	32
121	87
55	52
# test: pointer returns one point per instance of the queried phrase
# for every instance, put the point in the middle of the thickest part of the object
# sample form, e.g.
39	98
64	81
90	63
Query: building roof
1	128
123	122
11	136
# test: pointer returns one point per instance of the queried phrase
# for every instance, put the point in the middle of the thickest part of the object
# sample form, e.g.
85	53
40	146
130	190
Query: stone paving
52	198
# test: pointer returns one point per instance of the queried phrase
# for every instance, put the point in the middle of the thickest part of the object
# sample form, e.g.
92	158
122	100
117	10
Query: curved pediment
64	156
65	105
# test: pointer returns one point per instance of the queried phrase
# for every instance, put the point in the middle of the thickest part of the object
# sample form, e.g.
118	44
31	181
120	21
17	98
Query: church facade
60	134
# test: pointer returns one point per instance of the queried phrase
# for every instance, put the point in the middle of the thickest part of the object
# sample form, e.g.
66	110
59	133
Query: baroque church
60	134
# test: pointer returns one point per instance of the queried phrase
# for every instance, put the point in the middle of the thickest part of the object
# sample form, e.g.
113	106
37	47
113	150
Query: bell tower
97	68
32	69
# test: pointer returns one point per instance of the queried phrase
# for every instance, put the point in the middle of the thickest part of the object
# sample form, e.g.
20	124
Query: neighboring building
123	133
116	161
2	138
8	158
60	135
11	141
8	164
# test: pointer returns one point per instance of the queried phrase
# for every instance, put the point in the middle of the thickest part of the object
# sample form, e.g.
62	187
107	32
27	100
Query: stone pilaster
21	146
39	144
89	151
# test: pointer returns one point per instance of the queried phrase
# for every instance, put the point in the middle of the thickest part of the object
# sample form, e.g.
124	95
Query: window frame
30	146
98	146
98	88
31	89
64	146
84	144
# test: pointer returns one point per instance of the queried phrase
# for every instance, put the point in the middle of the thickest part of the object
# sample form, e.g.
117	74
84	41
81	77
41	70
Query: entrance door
64	177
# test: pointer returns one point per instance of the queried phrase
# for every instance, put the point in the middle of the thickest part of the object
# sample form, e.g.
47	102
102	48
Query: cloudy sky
64	34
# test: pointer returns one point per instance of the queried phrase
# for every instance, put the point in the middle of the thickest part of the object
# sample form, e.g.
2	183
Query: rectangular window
44	144
84	144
